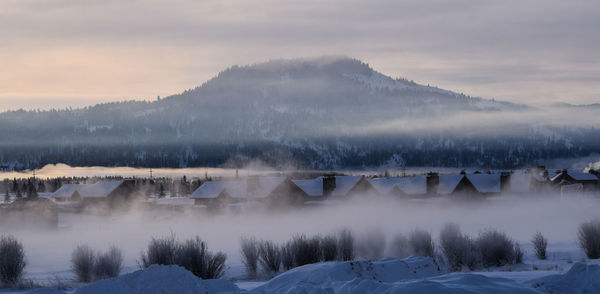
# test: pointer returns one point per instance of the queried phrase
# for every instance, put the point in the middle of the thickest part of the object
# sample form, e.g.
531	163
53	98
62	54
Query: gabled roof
212	189
312	187
266	185
409	185
485	183
448	183
343	185
384	185
576	175
209	190
581	176
99	189
67	190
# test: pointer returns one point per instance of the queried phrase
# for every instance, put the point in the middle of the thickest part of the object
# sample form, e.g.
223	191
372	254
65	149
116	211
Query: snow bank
581	278
159	279
351	276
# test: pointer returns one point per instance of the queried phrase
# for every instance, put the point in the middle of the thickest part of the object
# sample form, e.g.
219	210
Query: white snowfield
414	274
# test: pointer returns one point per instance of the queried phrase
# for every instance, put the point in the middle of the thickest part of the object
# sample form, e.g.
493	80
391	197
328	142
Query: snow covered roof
343	184
99	189
266	185
209	190
384	185
520	182
212	189
485	183
581	176
576	175
67	190
409	185
313	187
448	183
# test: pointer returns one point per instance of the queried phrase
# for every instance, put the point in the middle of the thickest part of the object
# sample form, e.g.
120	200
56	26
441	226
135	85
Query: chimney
504	180
433	181
252	185
328	185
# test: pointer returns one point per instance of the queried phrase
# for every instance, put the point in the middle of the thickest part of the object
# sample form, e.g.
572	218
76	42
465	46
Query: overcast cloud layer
57	53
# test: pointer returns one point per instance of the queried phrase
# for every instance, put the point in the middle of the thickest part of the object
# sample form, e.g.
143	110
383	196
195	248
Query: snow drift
351	276
159	279
581	278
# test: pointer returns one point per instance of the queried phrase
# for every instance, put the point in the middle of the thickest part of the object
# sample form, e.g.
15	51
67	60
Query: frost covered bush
12	260
539	243
82	263
287	256
345	245
421	243
160	251
108	264
399	247
305	250
329	248
269	256
496	248
371	245
194	256
588	236
249	251
460	251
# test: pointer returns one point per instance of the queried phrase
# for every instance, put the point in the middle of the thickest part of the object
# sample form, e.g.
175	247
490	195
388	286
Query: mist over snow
49	252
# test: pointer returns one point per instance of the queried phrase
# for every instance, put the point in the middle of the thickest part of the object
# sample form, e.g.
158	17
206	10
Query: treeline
347	152
159	186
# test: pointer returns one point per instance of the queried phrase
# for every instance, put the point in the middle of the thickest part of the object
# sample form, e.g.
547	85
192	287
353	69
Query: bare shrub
12	260
518	254
399	247
249	251
329	248
194	256
421	243
269	256
460	251
371	245
496	248
108	264
160	251
345	245
539	243
305	250
287	256
82	263
588	236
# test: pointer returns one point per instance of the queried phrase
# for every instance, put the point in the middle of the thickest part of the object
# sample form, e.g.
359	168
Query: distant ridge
311	112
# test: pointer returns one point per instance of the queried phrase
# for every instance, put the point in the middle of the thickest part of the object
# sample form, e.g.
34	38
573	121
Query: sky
59	53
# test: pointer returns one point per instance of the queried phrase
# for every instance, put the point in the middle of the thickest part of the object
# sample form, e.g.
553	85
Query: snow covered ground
48	252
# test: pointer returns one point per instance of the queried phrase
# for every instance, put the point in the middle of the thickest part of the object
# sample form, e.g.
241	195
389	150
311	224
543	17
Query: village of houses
279	191
286	190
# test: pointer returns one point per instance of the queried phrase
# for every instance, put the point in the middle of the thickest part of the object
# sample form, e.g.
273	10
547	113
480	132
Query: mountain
326	112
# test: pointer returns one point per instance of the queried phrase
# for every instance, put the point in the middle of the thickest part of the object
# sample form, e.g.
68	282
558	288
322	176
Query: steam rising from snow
48	252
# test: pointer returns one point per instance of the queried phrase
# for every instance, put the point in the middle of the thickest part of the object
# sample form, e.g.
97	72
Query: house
455	185
271	190
220	193
400	186
68	192
485	183
275	191
588	181
335	187
109	192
